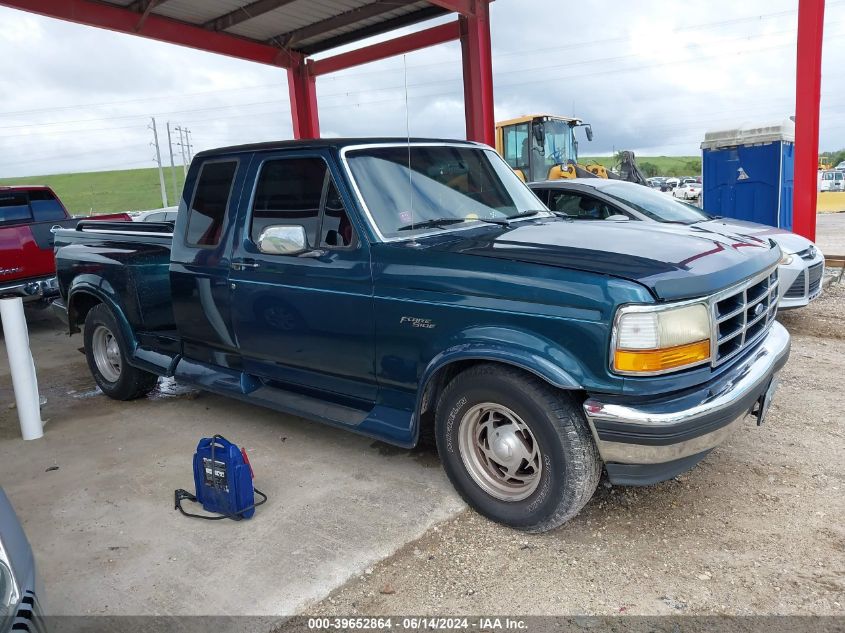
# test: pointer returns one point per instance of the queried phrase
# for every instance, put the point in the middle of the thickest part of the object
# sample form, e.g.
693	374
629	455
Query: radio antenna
408	137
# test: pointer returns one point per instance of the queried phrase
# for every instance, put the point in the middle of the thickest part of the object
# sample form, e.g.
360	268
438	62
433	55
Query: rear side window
14	207
45	206
289	192
211	198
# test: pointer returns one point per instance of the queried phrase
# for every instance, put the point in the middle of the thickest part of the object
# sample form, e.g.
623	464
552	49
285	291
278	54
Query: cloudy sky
650	76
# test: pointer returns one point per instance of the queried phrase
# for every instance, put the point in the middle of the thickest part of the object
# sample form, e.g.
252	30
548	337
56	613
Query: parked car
672	183
840	166
19	606
399	289
167	214
656	182
689	190
28	215
831	180
800	269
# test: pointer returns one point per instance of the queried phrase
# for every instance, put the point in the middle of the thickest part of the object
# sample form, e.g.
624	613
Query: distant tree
693	167
649	169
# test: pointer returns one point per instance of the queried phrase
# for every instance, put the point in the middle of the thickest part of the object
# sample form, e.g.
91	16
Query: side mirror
283	240
589	130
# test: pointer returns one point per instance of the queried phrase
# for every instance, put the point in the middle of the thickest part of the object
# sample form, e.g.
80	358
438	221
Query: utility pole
180	129
158	162
172	165
190	150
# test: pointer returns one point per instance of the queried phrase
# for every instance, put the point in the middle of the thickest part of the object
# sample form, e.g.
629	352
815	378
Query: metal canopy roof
306	26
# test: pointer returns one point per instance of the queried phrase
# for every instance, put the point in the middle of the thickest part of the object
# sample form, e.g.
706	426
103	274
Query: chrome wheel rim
499	452
106	353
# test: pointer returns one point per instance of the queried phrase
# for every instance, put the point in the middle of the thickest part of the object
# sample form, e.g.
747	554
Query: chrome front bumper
32	289
650	440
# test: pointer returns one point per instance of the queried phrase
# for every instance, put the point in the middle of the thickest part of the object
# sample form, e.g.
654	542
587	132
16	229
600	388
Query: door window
300	191
211	199
516	146
580	207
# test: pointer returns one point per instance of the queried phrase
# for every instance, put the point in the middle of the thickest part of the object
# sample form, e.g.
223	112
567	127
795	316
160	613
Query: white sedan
801	266
688	191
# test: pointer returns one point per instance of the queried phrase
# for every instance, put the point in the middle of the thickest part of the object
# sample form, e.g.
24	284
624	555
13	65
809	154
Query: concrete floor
108	541
830	233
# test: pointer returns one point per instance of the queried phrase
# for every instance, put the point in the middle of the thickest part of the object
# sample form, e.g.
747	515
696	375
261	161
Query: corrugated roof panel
294	16
198	12
411	7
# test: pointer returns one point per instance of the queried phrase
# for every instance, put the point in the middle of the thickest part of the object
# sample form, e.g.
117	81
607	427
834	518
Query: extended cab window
211	198
14	207
45	206
294	191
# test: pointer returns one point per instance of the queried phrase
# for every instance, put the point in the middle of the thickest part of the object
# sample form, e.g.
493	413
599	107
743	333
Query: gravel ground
756	528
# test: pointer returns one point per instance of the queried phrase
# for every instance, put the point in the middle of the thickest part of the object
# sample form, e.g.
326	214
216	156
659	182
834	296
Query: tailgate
22	257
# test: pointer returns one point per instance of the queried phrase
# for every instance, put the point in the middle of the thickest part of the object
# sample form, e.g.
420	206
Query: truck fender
528	352
87	288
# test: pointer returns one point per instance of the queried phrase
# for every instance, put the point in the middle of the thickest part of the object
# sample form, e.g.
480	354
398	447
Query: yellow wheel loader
544	147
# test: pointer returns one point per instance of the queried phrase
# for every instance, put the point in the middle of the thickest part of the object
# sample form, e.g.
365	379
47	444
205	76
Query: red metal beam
302	87
478	74
396	46
155	27
807	98
464	7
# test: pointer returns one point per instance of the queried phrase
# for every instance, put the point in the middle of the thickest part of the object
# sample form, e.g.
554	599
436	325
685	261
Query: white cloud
648	76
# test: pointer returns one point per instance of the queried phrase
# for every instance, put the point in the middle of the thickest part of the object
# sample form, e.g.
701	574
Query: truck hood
672	261
789	242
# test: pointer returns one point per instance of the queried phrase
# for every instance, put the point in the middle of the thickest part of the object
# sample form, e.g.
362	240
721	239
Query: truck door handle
243	265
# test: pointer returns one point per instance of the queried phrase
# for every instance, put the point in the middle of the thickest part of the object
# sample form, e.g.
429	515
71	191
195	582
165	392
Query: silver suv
19	609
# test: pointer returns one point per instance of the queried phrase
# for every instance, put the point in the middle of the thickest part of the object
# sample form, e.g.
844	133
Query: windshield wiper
436	223
506	221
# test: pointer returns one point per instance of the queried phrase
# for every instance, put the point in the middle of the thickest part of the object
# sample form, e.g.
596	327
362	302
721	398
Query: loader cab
539	147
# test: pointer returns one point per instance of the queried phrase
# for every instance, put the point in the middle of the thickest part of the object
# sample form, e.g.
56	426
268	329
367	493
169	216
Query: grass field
138	189
664	165
107	191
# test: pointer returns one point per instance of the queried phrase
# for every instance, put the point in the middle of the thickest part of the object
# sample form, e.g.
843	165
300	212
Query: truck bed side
124	264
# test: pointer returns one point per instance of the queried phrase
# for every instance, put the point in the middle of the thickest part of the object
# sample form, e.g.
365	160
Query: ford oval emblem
759	309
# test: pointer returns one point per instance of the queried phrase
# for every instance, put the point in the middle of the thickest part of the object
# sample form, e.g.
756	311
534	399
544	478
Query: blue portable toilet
747	173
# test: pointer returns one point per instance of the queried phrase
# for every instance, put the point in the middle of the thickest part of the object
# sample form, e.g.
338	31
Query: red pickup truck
28	215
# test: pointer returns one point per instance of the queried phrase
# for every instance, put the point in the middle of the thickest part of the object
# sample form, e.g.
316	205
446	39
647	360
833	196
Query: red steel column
807	98
478	74
302	86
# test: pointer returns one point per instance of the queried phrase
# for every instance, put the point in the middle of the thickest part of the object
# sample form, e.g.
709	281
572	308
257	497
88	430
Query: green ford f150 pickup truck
409	288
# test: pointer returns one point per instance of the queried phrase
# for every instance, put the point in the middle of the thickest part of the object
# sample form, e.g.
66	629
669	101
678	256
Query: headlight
786	260
653	340
9	593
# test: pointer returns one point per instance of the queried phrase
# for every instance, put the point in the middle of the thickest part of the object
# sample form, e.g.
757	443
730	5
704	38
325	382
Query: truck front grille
742	315
28	617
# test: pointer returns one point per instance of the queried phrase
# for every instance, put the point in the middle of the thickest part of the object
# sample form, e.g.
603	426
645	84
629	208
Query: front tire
106	352
517	450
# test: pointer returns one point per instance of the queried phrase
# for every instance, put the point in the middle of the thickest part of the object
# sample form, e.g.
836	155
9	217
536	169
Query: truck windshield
437	186
655	205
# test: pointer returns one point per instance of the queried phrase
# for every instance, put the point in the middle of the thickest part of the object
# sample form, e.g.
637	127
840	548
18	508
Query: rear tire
517	450
107	352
